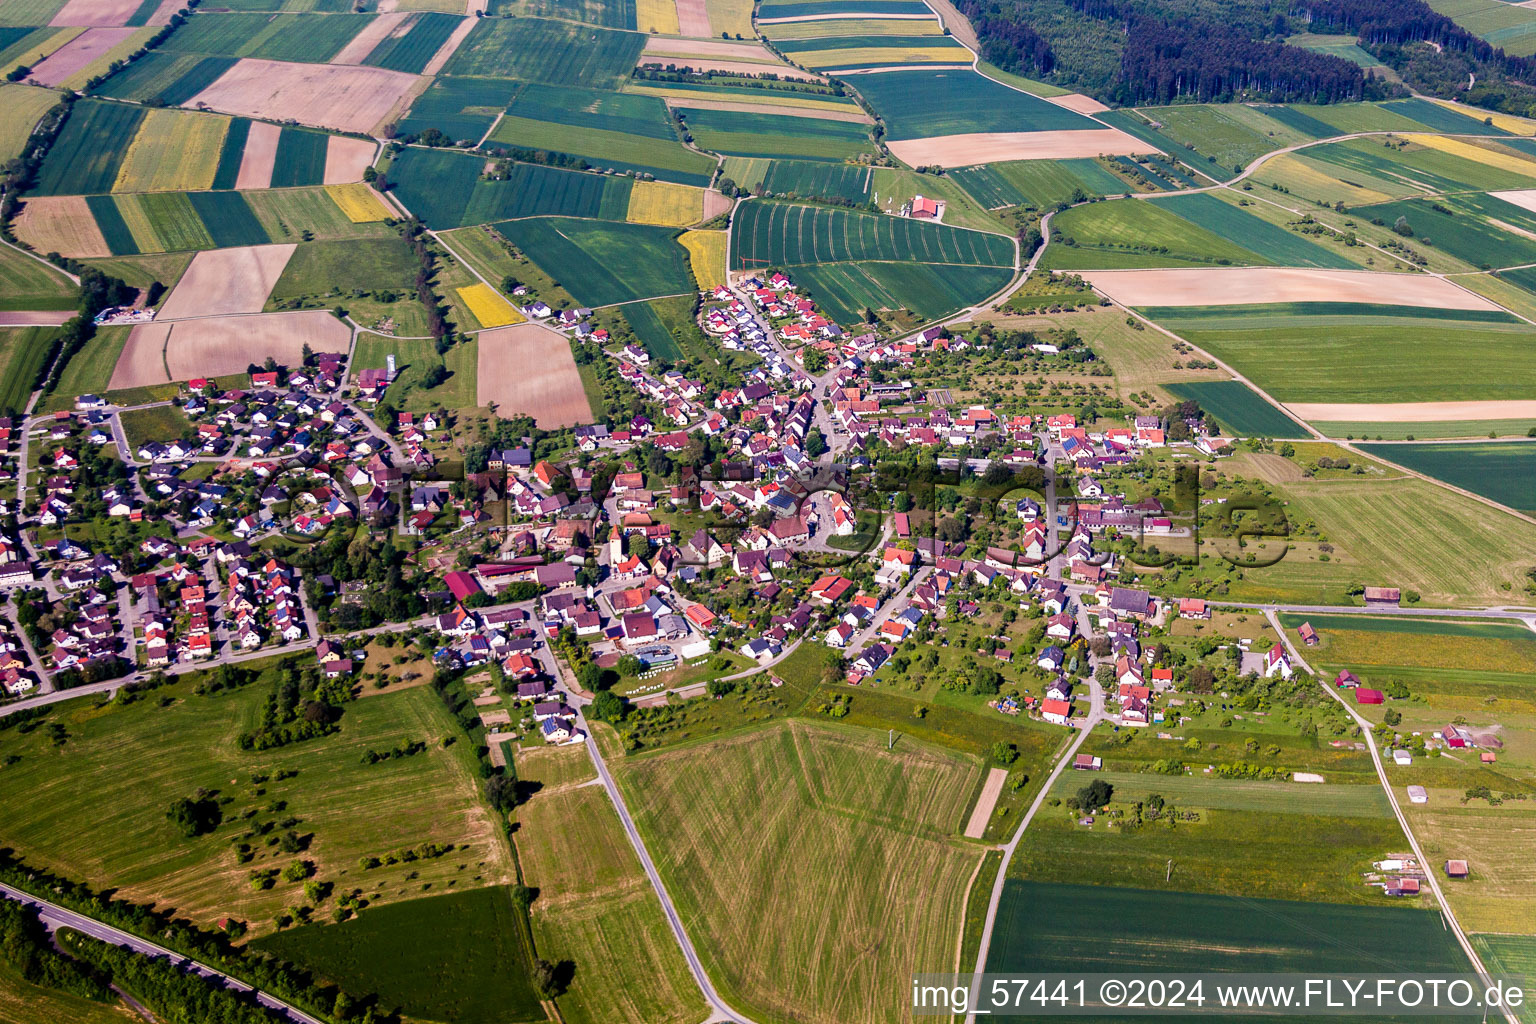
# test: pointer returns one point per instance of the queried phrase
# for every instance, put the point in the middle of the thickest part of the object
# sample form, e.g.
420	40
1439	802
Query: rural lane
720	1011
1402	819
54	917
1095	715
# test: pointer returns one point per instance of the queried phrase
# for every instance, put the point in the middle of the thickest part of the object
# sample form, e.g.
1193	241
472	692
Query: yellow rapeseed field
658	16
489	307
1505	122
661	202
173	151
883	55
1469	151
359	202
706	255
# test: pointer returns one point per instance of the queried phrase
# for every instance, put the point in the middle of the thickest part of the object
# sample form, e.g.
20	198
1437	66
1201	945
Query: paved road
1381	773
720	1011
54	917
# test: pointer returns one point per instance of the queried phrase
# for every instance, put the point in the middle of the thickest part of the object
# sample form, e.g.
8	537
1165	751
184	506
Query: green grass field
168	78
1279	798
549	52
861	821
1037	183
602	263
1503	472
411	52
457	957
1399	641
1044	927
1238	408
743	133
808	179
461	108
653	334
664	158
930	290
22	354
1509	954
160	423
22	1002
28	284
289	37
89	149
446	191
320	268
1134	232
1272	243
596	907
23	108
1346	359
920	104
108	827
1210	138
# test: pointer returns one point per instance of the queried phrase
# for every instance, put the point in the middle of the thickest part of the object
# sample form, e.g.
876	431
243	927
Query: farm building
1418	795
1308	634
1363	695
1087	762
1382	597
1398	886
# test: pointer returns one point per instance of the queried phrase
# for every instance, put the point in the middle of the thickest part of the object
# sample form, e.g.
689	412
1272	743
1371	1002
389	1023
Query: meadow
458	957
1277	798
1272	243
1398	641
89	150
29	284
602	263
108	827
1064	927
1133	232
1502	472
660	156
741	133
549	52
605	13
872	822
23	108
921	104
326	268
1238	408
1495	842
1037	183
1421	168
653	334
1370	359
415	358
23	351
596	906
23	1002
1209	137
895	187
775	234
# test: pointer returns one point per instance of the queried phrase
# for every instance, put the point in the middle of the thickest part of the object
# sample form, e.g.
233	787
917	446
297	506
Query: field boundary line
1448	913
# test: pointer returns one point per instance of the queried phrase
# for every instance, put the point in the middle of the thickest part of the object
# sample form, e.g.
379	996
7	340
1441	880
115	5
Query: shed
1418	795
1456	869
1368	696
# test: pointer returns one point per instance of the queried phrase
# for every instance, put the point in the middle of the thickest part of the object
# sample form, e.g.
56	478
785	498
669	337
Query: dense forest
1136	52
1140	52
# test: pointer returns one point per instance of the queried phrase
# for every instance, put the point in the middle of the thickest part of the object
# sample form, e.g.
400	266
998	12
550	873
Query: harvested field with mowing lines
603	264
62	224
595	903
226	281
67	63
359	202
1242	286
706	255
550	52
1504	472
218	346
173	152
1238	408
1397	641
113	832
489	307
1062	927
461	956
345	98
659	202
1302	359
874	821
776	234
528	370
23	107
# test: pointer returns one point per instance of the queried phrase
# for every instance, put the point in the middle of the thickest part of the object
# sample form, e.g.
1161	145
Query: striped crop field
173	151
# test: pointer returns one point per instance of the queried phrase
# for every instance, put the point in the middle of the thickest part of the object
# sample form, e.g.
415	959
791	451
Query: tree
1095	795
629	665
546	978
1004	754
608	706
815	361
195	816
